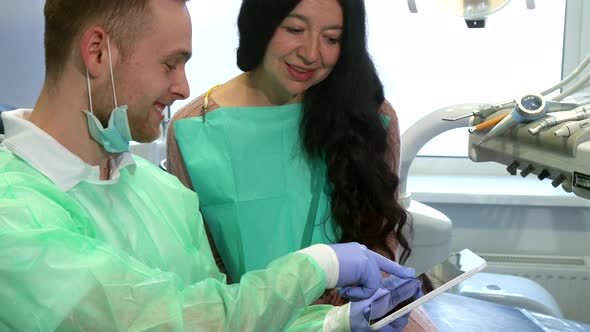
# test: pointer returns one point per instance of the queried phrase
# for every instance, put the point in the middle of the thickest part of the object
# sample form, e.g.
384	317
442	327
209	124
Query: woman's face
305	47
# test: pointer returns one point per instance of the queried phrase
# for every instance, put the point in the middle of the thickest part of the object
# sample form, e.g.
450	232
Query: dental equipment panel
547	138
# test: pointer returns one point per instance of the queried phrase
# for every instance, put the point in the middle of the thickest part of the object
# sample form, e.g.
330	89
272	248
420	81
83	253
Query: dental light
474	11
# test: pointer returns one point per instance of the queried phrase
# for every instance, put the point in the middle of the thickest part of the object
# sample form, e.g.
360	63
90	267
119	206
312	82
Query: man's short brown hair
65	20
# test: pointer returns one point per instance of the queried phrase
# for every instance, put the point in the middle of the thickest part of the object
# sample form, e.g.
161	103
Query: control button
543	175
527	170
558	180
512	168
494	287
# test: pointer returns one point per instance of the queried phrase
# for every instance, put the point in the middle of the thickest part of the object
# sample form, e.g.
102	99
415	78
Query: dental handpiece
569	129
557	106
489	123
485	110
558	118
528	108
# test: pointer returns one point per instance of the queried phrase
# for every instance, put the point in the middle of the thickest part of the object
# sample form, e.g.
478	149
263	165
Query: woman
302	147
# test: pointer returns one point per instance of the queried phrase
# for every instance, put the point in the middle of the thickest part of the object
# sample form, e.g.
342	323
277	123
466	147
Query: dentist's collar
52	159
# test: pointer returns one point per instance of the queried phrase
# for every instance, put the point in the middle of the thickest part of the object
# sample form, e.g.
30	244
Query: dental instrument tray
565	160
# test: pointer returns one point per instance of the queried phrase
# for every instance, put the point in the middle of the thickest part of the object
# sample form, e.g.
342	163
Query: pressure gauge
531	106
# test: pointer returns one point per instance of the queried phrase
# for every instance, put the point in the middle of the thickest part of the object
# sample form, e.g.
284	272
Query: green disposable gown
255	183
132	256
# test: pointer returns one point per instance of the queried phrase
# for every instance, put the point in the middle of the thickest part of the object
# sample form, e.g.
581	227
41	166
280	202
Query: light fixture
474	11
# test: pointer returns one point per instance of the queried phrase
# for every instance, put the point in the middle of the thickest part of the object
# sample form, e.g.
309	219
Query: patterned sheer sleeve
175	163
392	155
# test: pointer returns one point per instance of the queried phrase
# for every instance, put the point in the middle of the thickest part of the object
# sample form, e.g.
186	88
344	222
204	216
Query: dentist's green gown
132	256
258	190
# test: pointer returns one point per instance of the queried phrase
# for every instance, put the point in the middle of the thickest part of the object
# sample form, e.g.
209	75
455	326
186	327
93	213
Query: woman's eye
333	41
294	30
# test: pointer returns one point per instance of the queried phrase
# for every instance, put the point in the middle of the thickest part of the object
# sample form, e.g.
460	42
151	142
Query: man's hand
393	291
359	265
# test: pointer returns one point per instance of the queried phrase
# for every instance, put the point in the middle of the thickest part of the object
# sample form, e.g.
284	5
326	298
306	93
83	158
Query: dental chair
522	303
456	313
485	302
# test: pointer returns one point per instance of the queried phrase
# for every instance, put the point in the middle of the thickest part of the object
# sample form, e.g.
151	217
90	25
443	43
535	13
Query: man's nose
180	88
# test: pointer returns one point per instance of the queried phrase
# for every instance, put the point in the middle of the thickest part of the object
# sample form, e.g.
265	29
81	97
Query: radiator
566	278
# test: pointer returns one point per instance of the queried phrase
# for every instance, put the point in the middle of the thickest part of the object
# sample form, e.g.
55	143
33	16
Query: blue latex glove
393	291
359	265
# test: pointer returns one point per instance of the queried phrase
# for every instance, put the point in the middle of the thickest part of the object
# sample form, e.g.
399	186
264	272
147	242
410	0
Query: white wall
577	35
215	41
22	66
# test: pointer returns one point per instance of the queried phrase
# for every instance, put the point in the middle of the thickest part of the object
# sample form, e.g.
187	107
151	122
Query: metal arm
422	132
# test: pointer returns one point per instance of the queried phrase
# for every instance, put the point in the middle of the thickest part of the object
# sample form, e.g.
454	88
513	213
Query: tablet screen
445	275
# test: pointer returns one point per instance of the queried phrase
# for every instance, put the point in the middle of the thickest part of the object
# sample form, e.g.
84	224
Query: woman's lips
300	74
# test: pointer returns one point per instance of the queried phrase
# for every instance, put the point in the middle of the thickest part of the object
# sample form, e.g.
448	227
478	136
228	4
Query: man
94	239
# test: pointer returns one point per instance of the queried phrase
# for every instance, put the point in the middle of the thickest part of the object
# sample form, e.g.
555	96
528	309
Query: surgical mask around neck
116	136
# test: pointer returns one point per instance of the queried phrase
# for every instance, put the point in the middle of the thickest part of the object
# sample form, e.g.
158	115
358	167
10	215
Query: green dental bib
257	189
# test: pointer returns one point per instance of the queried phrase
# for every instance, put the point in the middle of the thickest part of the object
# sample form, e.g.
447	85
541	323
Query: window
431	60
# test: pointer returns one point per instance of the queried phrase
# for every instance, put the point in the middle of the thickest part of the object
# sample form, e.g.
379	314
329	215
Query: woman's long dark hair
346	106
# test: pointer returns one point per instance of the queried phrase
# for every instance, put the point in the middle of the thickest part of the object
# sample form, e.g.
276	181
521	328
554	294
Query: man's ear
94	51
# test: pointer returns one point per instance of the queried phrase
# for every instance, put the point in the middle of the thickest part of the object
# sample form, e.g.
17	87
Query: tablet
445	275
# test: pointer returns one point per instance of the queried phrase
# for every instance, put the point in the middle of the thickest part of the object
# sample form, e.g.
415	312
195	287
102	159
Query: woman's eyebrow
306	20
